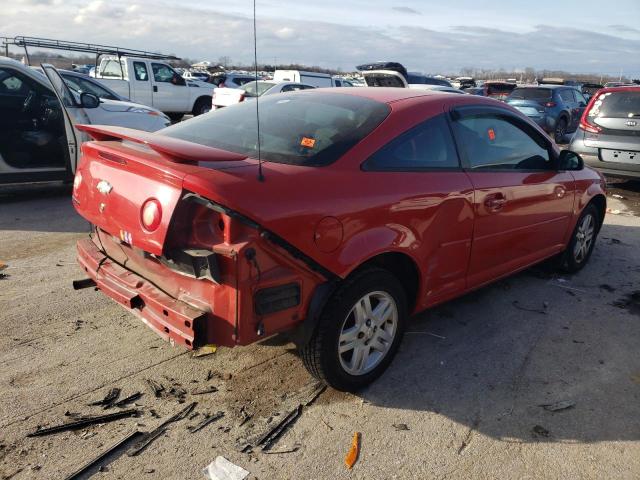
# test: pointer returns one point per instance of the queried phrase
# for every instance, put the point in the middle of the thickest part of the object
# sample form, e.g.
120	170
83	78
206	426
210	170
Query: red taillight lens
151	214
585	124
241	97
550	104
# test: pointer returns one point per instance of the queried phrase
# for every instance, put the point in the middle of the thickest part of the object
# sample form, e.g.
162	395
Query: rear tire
582	241
202	106
359	331
561	130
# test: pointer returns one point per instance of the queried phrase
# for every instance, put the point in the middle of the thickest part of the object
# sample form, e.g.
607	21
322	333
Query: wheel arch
206	98
600	202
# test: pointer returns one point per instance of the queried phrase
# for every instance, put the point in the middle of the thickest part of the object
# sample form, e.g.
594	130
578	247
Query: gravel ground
467	383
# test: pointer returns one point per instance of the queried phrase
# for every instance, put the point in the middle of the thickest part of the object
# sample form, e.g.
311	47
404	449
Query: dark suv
556	108
608	136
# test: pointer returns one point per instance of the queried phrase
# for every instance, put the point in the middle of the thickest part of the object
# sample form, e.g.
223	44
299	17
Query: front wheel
202	106
359	331
582	241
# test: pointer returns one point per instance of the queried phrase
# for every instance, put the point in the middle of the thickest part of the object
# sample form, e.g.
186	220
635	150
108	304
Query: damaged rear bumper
172	319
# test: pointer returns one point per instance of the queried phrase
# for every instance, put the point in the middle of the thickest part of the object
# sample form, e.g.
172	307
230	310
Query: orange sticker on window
307	142
492	134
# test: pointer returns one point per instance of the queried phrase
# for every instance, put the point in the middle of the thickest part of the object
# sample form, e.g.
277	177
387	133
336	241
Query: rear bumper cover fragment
173	320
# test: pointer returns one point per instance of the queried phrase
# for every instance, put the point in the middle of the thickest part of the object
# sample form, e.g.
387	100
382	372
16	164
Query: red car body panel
460	229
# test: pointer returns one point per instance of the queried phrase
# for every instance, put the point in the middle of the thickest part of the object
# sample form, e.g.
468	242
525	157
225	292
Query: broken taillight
151	214
585	124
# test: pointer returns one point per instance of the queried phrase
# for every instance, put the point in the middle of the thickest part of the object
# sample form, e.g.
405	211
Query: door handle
155	88
495	202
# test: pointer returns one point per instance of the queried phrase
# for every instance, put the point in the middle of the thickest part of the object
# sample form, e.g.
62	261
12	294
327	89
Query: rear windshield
299	128
255	89
617	105
499	88
530	94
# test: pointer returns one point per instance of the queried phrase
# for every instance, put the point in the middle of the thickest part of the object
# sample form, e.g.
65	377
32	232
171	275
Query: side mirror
89	100
569	160
178	80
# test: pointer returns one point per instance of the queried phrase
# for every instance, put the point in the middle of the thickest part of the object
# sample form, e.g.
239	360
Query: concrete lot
468	381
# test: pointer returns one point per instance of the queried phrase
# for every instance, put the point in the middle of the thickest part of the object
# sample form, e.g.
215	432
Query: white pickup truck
155	83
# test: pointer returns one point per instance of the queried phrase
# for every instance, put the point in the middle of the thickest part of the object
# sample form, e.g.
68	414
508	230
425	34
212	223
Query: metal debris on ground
108	400
353	453
149	437
202	391
400	426
205	350
558	406
539	431
156	388
208	419
266	434
128	400
83	422
85	470
223	469
541	311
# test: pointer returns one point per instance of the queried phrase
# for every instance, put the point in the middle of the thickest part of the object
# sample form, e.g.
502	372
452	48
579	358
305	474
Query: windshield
255	89
537	94
617	105
80	85
300	128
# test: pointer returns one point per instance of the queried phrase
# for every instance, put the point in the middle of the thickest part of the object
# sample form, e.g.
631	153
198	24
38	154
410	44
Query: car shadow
491	359
39	208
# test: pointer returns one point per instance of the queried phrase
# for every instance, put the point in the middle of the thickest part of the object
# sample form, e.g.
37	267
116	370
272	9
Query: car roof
622	88
549	86
386	94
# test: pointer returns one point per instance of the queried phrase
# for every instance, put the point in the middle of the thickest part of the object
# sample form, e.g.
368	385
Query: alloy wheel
367	333
584	238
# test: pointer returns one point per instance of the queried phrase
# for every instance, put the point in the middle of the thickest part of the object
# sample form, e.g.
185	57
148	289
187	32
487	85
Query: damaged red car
355	209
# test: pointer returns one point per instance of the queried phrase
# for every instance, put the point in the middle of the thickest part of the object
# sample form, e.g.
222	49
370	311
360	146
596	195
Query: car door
170	90
141	83
31	129
581	104
74	115
522	203
435	201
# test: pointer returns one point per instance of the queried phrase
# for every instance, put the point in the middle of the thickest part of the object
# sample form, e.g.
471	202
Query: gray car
608	137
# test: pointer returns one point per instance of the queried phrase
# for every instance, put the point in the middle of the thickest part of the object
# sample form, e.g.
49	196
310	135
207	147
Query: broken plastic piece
223	469
205	350
354	451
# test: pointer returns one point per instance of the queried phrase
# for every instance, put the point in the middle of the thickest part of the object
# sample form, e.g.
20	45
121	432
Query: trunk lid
126	168
531	108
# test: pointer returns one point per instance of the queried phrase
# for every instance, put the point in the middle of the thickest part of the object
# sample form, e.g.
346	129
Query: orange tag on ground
307	142
492	134
354	451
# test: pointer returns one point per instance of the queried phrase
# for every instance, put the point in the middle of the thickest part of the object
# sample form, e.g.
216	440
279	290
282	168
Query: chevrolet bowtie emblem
104	187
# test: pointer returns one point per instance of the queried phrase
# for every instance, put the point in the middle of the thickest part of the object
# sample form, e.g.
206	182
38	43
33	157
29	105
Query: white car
224	97
200	76
36	136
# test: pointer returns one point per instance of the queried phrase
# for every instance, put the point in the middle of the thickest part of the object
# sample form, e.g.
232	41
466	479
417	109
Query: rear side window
299	128
617	105
539	94
424	147
566	96
495	143
140	71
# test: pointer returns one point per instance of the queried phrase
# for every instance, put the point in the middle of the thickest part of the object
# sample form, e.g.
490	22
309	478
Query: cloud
624	28
208	31
408	10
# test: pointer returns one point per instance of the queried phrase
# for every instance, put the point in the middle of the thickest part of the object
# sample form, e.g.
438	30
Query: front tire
359	331
582	241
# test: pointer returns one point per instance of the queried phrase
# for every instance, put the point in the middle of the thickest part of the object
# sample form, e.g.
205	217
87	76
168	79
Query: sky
580	36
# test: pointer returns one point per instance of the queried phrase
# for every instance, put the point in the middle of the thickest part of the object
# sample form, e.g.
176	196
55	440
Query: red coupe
367	205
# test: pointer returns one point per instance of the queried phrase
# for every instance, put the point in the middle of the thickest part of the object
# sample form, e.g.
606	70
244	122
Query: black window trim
366	166
458	113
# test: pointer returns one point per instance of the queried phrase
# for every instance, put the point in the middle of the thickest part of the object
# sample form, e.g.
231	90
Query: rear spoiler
174	149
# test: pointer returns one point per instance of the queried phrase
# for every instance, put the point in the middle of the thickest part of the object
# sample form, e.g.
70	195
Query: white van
313	79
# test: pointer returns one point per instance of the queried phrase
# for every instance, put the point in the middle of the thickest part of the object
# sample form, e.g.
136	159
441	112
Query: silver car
608	137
